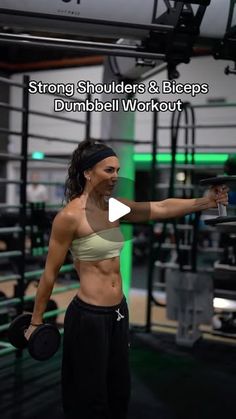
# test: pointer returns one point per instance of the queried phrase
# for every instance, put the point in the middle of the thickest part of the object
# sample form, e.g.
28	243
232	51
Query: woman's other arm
63	230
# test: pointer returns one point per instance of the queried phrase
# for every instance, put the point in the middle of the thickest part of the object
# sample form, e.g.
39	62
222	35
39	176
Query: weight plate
220	220
44	342
16	331
220	180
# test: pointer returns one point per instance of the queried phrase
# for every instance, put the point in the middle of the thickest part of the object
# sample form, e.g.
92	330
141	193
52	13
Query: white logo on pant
120	316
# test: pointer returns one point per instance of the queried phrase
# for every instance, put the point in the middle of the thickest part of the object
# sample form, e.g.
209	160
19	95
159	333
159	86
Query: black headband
96	157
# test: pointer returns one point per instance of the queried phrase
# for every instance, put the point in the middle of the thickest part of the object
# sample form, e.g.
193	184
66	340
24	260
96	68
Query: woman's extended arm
62	233
174	207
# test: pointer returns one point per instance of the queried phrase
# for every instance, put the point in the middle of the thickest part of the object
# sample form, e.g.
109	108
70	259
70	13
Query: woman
95	368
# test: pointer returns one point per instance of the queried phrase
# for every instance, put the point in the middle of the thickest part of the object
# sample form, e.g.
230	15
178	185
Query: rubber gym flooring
168	382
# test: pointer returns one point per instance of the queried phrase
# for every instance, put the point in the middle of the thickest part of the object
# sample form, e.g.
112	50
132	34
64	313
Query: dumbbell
217	181
43	342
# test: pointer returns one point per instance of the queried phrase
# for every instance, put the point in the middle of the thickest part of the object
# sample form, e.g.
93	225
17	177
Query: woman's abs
100	282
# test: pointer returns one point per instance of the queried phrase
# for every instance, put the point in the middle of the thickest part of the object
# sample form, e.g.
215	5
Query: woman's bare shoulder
70	214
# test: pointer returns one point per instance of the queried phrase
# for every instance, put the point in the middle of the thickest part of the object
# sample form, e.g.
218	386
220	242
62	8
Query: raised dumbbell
217	181
43	342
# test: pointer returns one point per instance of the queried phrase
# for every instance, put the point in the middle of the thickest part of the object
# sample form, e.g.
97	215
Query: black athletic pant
95	366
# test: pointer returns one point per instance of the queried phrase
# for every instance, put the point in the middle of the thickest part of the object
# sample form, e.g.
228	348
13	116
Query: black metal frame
20	288
23	158
170	38
187	147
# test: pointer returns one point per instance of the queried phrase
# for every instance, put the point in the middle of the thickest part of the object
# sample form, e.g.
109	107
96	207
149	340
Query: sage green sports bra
105	245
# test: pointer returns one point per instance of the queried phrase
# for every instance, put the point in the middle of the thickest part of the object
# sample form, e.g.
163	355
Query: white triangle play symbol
116	209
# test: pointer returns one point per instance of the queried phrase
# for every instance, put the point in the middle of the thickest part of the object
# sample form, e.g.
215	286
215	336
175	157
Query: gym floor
167	382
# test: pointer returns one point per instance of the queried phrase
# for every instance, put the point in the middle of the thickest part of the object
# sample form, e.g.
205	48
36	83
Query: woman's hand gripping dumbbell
42	340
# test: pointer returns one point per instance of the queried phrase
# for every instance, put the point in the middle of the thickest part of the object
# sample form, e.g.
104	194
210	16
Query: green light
213	158
199	158
126	151
142	158
38	155
126	259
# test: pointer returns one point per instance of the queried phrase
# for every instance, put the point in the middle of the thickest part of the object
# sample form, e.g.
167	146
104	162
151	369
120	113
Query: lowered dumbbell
43	342
218	181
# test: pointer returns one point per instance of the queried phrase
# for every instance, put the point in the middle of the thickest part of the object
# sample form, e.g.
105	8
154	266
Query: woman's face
104	175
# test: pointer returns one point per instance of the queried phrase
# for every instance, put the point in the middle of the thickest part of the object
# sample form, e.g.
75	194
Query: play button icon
116	209
111	206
